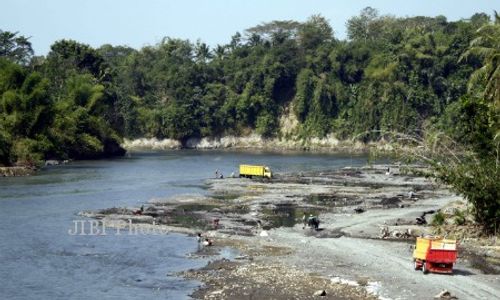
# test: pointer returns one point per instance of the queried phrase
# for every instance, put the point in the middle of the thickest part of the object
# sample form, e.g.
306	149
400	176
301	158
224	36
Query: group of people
311	221
204	241
218	174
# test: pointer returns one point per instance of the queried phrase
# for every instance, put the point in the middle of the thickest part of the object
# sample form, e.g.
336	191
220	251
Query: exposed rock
359	210
256	141
319	293
52	162
16	171
445	294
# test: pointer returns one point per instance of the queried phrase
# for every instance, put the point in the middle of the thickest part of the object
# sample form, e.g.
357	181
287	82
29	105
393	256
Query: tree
220	51
486	46
202	52
362	27
68	57
267	30
303	96
314	32
15	48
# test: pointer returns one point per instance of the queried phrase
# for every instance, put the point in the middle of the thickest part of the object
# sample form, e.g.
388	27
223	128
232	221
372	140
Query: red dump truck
435	254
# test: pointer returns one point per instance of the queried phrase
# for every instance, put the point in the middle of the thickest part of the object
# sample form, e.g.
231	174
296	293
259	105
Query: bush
265	125
459	217
438	219
479	181
26	152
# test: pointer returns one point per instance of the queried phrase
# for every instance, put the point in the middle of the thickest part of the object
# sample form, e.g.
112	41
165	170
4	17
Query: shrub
459	217
438	219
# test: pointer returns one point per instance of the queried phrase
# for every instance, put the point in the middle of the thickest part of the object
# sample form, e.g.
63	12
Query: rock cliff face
255	141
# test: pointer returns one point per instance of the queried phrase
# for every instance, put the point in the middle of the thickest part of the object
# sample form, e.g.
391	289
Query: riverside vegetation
424	77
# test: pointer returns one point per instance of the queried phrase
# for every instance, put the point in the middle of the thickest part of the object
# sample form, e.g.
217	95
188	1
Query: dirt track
387	263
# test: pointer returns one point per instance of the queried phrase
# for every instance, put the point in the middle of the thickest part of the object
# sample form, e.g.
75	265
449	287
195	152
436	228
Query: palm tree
486	46
202	52
220	51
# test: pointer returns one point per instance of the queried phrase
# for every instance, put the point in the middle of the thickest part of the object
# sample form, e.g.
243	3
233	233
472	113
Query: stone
445	294
319	293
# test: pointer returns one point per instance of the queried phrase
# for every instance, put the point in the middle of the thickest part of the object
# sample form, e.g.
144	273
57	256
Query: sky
145	22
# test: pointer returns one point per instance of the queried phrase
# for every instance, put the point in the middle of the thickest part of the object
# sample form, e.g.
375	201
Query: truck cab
267	172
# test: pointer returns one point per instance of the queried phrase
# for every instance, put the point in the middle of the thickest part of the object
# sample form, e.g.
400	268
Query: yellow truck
258	171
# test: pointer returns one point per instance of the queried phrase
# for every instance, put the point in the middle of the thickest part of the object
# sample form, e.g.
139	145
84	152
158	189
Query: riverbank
350	257
257	142
16	171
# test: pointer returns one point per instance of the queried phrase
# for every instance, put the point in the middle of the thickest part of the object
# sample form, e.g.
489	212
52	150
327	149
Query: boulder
445	294
319	293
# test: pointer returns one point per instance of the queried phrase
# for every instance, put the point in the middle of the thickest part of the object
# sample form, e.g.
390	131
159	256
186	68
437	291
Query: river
41	260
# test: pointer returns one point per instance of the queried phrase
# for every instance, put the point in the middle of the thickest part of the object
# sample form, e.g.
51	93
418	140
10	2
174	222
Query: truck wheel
415	265
424	267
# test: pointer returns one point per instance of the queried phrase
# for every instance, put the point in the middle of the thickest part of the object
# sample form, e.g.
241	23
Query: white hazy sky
138	23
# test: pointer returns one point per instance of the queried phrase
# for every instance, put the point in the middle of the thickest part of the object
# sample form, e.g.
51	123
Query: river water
39	259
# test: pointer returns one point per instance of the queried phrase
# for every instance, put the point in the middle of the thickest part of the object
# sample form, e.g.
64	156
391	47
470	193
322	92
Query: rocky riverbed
362	250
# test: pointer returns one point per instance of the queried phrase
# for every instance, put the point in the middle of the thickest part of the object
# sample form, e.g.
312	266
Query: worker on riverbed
313	222
304	220
215	223
139	211
388	172
384	231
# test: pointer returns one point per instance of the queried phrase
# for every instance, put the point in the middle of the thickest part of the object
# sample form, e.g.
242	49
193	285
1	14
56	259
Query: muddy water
41	260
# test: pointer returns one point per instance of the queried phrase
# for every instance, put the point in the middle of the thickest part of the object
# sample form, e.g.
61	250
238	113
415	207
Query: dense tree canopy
392	74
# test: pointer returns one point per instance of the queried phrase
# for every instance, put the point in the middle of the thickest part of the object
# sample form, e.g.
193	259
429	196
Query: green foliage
478	179
5	146
266	125
15	48
486	46
38	122
467	121
305	89
438	219
459	217
315	32
392	75
27	151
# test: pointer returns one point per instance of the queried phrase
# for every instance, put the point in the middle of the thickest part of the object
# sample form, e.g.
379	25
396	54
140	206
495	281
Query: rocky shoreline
362	250
16	171
28	170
